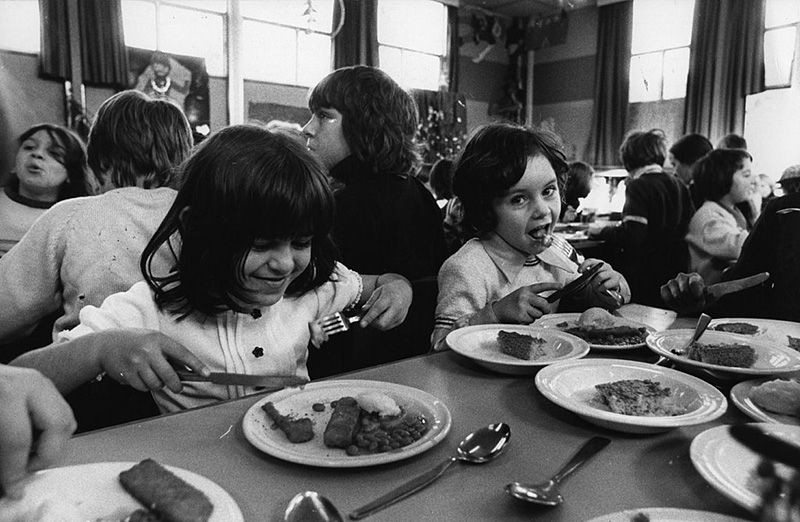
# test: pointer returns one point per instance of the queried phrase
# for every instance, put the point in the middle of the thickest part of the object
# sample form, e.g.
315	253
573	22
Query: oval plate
784	333
740	396
297	401
553	320
571	385
479	343
771	359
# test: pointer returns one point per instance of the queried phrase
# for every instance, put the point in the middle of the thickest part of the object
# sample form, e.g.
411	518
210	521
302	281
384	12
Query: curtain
726	64
611	80
453	53
104	59
356	42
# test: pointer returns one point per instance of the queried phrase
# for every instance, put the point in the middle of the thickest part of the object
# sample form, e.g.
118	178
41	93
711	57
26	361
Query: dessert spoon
310	506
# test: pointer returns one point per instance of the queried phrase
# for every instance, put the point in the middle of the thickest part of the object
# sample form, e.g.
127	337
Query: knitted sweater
17	214
715	239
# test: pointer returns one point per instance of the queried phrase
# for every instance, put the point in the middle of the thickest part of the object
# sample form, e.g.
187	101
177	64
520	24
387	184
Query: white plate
730	467
771	359
571	385
667	515
298	401
94	491
479	343
740	396
770	330
553	320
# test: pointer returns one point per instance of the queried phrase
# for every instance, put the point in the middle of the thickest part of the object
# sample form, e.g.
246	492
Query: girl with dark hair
363	128
718	229
50	166
254	271
509	179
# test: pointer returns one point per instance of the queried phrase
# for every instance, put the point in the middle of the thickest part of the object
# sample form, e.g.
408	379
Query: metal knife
576	285
717	290
264	381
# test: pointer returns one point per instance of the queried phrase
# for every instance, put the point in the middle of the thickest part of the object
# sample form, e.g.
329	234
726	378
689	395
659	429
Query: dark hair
732	141
640	149
493	160
691	148
135	138
579	180
713	173
442	178
160	57
379	118
242	184
70	152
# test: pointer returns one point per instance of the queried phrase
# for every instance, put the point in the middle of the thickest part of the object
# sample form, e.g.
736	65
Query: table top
634	471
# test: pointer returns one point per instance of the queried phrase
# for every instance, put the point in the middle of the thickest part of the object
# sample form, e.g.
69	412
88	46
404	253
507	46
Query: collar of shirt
647	169
510	261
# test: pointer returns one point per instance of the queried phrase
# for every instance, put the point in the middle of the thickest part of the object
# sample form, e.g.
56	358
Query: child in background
577	186
452	209
509	178
255	271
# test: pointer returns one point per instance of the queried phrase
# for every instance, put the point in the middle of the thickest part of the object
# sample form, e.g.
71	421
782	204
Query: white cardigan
715	239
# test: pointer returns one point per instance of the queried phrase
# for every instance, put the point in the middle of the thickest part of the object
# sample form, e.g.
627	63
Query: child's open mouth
541	234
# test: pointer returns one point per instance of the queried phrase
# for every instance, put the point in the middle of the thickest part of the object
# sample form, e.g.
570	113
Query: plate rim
717	408
437	406
792	354
699	515
741	399
600	347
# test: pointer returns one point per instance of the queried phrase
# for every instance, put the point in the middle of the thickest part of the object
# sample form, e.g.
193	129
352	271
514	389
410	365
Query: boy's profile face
325	137
527	213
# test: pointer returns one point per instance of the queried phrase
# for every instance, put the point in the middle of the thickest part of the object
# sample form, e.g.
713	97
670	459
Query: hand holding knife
717	290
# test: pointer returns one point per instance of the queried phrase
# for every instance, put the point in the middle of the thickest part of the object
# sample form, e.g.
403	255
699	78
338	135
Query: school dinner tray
258	429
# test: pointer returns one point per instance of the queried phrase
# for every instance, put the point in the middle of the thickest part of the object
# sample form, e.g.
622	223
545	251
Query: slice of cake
641	397
724	354
521	346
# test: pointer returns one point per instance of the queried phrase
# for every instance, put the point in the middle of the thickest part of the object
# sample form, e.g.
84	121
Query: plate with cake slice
733	355
602	330
784	333
769	399
515	349
630	396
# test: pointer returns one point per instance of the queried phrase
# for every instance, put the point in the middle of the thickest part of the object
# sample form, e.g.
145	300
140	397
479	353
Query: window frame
793	25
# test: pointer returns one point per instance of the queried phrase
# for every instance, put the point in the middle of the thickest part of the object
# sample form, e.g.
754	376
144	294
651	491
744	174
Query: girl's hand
388	305
525	305
140	358
685	293
606	279
318	335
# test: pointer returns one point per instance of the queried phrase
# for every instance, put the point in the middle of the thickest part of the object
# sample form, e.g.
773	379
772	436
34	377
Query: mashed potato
597	318
378	402
778	396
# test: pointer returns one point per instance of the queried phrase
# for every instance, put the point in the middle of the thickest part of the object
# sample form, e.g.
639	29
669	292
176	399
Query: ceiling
527	7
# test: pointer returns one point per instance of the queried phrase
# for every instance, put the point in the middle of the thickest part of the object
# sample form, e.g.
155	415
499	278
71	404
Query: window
286	41
19	26
780	24
193	28
662	33
412	41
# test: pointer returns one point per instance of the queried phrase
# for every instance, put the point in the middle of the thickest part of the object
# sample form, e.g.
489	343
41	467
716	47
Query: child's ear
184	215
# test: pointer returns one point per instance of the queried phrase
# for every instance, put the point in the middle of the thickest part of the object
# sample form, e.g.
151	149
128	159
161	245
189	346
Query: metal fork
338	322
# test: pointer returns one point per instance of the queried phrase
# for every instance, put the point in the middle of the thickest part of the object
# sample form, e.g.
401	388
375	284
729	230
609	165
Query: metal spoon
699	329
310	506
547	493
478	447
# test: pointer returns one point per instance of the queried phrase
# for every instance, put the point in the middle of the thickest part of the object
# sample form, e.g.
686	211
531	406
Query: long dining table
632	472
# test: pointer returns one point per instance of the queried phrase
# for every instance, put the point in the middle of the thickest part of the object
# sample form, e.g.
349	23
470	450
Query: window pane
661	24
291	12
413	24
269	52
19	26
218	6
314	63
645	78
676	72
139	23
391	62
778	54
781	12
421	71
193	33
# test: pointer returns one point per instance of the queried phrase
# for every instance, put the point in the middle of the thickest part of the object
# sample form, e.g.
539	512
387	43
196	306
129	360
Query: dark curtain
442	123
611	80
453	45
726	64
356	42
104	58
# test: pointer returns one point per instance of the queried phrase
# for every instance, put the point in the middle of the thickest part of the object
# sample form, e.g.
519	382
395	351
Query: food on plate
380	403
778	396
521	346
641	397
296	430
165	494
738	328
596	317
794	342
723	354
379	434
342	426
598	327
640	517
142	515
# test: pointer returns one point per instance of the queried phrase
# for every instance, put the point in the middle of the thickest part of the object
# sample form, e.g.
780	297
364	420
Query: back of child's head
713	173
442	178
691	148
790	179
71	153
379	118
579	178
493	160
640	149
138	141
732	141
242	184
